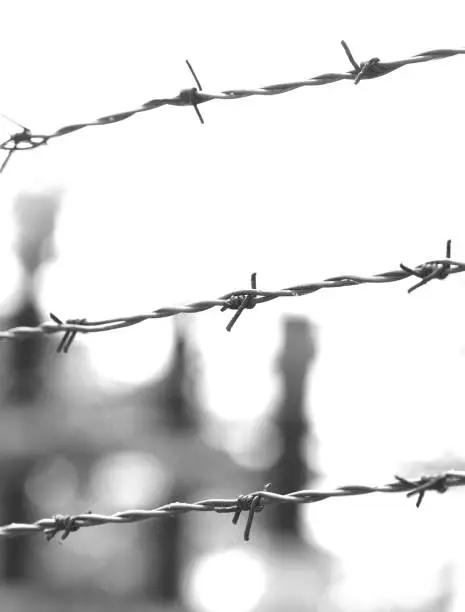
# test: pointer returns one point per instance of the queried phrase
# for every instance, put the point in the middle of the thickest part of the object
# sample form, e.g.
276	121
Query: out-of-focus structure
300	571
25	372
69	444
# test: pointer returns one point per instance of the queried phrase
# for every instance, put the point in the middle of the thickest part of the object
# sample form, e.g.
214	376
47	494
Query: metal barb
13	121
350	56
251	503
194	75
425	280
65	523
72	335
365	67
199	86
65	337
360	70
247	302
15	140
243	503
444	273
448	249
429	271
6	160
26	138
69	336
427	483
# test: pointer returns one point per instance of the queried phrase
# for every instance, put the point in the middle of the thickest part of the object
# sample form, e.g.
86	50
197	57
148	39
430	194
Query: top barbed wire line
371	69
251	503
237	300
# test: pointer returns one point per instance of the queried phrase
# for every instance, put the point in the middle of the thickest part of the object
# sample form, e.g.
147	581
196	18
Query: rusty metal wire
251	503
370	69
238	300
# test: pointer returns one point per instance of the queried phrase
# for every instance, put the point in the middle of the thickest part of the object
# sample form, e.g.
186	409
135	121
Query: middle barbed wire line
420	486
374	68
440	267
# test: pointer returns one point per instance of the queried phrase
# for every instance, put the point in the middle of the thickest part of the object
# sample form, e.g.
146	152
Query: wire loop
65	523
69	336
21	141
430	270
371	69
240	303
367	70
436	483
191	96
252	503
24	140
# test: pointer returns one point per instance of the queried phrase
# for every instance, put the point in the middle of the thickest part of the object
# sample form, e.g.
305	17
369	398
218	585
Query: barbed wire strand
238	300
251	503
371	69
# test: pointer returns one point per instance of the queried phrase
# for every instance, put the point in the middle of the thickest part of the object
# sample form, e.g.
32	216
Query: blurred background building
65	444
69	445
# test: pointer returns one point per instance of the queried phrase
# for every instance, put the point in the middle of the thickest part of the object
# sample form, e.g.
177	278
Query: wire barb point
430	270
21	141
6	160
69	335
350	56
436	483
65	523
190	96
252	503
363	70
20	125
240	303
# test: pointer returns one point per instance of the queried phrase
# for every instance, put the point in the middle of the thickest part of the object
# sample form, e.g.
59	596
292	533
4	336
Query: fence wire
251	503
373	68
238	300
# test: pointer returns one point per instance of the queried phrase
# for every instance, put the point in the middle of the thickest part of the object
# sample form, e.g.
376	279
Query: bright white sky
160	210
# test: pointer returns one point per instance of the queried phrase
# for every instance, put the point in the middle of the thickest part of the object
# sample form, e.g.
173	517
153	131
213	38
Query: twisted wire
371	69
251	503
238	300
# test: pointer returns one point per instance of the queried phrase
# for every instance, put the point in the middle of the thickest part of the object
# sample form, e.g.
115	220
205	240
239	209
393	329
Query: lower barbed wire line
438	268
373	68
251	502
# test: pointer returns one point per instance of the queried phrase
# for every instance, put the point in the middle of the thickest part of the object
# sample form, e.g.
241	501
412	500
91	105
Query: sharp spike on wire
350	56
429	271
247	302
360	69
68	337
194	75
15	122
6	160
199	86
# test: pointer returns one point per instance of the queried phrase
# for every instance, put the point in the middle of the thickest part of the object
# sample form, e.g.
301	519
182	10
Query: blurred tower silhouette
177	414
24	366
300	572
290	472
